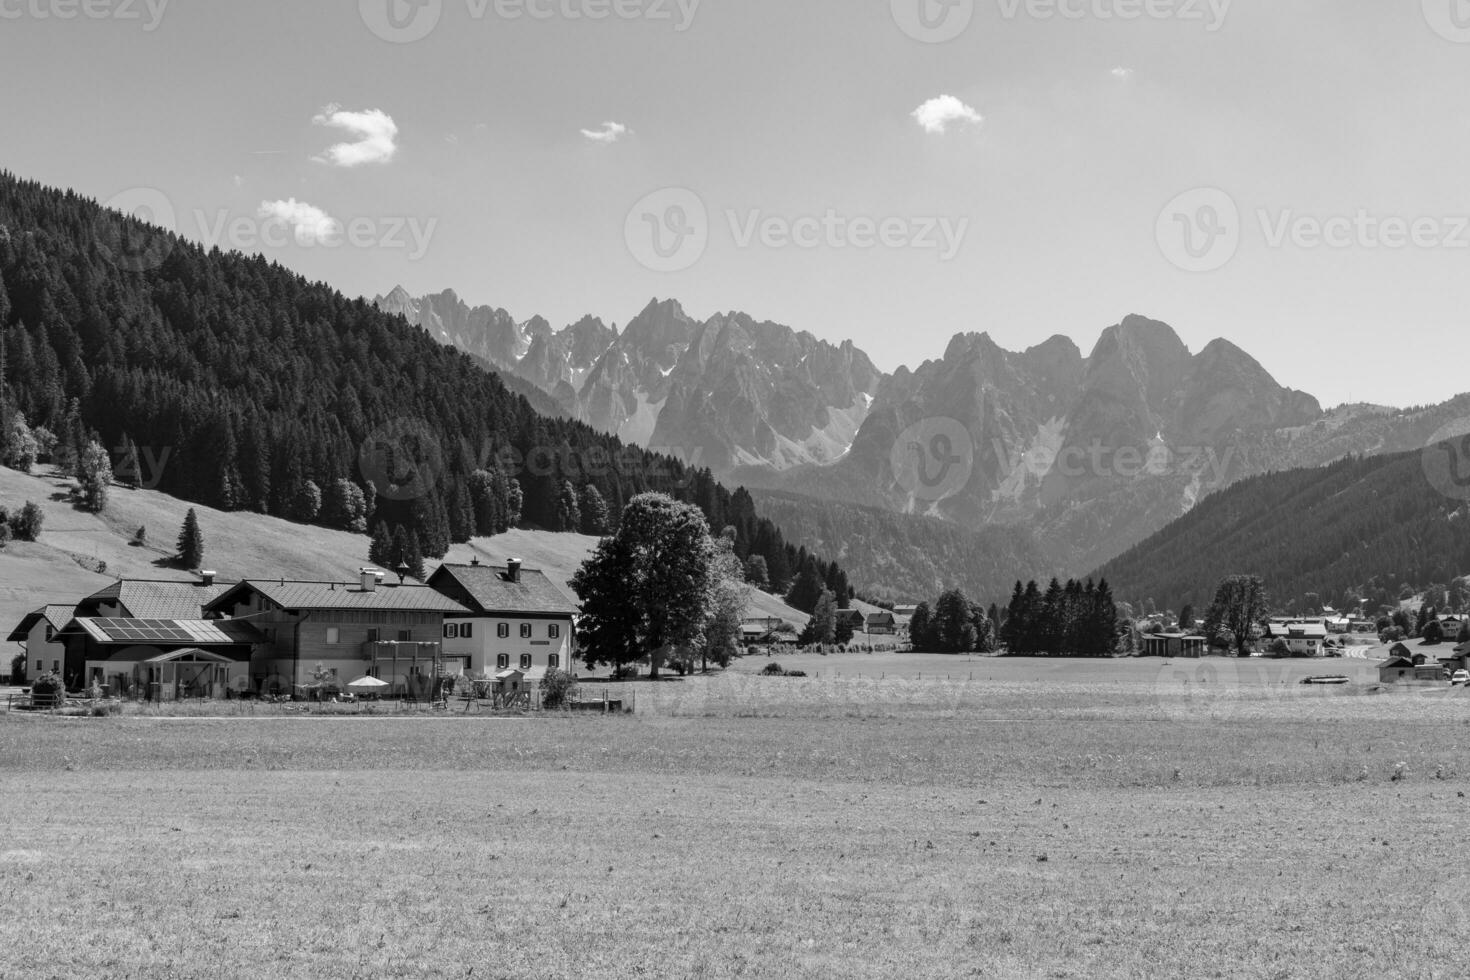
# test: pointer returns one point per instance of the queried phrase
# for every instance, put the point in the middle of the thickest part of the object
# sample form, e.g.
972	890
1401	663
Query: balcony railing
402	652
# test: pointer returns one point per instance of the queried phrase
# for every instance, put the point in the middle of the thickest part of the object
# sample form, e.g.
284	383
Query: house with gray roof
515	618
330	633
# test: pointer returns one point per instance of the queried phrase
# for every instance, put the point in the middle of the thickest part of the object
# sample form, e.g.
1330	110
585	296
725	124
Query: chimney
475	562
208	576
368	577
513	570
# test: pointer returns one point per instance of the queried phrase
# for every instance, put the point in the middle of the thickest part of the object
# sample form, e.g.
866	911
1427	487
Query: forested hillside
901	558
231	381
1360	528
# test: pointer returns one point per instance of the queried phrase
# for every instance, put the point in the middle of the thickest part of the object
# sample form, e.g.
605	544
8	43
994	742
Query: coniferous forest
1359	531
230	381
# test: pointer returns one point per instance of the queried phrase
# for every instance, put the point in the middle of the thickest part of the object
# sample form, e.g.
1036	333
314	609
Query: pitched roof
142	599
345	595
195	632
58	616
493	591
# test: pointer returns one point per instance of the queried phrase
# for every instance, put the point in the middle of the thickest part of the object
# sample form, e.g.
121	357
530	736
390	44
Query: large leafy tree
1240	603
646	591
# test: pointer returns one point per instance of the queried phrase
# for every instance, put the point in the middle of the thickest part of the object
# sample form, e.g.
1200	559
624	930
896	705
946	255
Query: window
502	630
525	631
56	666
502	661
50	633
467	630
553	661
525	661
451	631
553	631
40	667
334	636
405	636
375	635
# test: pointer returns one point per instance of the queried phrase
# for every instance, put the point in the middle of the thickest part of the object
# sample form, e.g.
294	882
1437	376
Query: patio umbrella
370	685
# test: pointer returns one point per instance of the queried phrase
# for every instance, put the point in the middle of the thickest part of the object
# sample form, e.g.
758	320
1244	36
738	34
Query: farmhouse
882	624
1308	639
54	642
39	635
853	619
510	618
342	629
166	659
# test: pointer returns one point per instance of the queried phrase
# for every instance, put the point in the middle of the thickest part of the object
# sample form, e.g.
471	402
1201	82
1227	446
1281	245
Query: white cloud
1123	73
610	132
311	225
374	137
937	115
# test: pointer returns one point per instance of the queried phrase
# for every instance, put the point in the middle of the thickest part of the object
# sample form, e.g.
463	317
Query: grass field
1097	825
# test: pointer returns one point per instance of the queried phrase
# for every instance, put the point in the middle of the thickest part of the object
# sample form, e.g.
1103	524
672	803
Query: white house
39	635
1305	639
518	619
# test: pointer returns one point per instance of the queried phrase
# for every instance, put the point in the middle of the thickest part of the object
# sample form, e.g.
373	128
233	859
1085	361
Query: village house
853	619
511	618
39	636
54	642
342	630
882	624
1305	639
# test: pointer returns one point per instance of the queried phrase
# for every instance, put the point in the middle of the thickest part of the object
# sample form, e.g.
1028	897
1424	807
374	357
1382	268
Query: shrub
140	537
1279	648
556	689
796	673
18	665
48	690
26	525
773	669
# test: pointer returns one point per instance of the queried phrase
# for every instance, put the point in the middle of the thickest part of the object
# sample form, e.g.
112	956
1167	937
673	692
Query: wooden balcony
404	653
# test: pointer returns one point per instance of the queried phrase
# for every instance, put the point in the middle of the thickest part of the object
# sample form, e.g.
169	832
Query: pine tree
191	542
568	508
414	557
380	552
594	512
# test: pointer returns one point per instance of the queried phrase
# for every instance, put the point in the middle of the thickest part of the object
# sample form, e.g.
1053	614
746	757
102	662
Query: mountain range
1089	453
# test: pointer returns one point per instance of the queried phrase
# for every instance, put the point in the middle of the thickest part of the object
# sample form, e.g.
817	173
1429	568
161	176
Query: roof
492	591
881	617
57	616
1396	662
343	595
196	632
144	599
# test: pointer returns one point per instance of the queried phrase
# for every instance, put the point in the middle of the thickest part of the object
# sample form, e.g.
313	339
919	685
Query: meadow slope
61	566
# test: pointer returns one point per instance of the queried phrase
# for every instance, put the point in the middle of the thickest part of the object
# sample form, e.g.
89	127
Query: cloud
311	224
1123	73
374	137
610	132
937	115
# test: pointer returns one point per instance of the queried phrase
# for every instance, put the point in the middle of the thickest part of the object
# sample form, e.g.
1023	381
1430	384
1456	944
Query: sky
1288	176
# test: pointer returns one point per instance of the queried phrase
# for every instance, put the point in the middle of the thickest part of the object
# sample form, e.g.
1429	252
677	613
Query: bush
18	665
26	526
773	669
48	691
1279	648
140	537
556	689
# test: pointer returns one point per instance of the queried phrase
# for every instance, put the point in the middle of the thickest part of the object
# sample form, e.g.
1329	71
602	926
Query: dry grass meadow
1125	823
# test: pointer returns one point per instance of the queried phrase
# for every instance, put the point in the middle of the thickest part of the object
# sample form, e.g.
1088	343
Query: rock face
724	393
1092	454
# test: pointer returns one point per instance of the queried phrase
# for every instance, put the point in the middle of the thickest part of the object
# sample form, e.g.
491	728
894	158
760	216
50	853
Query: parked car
1460	677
